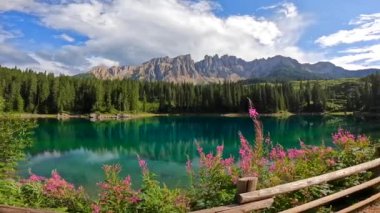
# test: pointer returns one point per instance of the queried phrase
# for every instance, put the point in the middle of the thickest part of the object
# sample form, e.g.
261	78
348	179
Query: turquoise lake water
77	148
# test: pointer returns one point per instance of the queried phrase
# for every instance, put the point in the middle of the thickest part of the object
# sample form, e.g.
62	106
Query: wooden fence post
246	184
376	170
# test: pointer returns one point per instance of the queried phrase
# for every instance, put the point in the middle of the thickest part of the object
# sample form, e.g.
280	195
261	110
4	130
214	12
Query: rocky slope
216	69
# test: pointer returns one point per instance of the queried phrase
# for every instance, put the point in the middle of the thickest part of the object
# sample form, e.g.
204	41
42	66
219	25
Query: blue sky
71	36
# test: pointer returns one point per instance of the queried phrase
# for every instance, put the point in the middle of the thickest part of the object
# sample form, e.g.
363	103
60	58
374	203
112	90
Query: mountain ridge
231	68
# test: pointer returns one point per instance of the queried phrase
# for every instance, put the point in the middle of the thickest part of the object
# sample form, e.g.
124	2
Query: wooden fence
250	199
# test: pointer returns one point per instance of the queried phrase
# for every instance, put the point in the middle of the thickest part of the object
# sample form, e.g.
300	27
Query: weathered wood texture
248	207
329	198
360	204
262	204
11	209
293	186
246	184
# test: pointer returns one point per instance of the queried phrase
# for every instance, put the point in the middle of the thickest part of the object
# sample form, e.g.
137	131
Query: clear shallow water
78	148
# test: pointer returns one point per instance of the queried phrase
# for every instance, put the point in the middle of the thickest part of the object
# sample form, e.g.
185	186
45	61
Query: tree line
31	92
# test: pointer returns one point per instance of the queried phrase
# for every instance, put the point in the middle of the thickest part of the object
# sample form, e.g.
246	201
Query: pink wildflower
277	153
143	165
315	149
252	111
329	149
208	161
342	137
219	150
35	178
228	161
199	148
295	153
104	186
134	199
362	139
95	208
55	175
264	161
246	155
272	167
112	168
127	181
57	186
330	162
189	167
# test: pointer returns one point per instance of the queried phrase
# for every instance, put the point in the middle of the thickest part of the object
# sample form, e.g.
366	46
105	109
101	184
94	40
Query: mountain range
231	68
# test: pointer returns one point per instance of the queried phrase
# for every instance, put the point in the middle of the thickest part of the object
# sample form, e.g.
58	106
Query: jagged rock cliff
231	68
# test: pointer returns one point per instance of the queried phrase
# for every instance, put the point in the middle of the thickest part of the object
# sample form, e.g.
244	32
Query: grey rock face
217	69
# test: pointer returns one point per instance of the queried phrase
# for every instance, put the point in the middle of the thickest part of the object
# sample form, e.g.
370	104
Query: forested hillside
27	91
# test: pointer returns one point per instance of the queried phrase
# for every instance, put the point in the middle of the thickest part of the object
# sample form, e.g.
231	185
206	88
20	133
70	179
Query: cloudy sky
70	36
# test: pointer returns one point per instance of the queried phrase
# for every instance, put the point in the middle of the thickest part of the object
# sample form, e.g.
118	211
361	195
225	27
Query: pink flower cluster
362	139
210	161
295	153
252	111
95	208
206	160
116	190
35	178
56	186
246	156
277	152
143	165
343	137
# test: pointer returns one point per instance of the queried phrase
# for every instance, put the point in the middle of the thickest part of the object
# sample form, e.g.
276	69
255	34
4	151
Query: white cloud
94	61
130	32
15	4
366	28
66	37
287	9
360	58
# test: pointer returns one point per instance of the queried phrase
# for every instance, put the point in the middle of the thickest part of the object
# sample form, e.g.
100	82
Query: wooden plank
262	204
12	209
293	186
215	209
332	197
360	204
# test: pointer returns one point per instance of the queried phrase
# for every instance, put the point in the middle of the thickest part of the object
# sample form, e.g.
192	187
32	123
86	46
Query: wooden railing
12	209
250	199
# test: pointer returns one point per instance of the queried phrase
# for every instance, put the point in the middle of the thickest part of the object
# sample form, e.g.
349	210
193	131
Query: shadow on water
78	148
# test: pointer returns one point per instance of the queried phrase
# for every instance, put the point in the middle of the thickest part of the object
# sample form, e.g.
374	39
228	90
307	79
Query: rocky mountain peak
216	69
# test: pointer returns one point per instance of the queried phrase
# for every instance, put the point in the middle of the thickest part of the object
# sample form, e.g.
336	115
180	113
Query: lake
77	148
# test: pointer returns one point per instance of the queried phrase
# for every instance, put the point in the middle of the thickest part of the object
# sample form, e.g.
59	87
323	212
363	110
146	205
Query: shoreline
129	116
